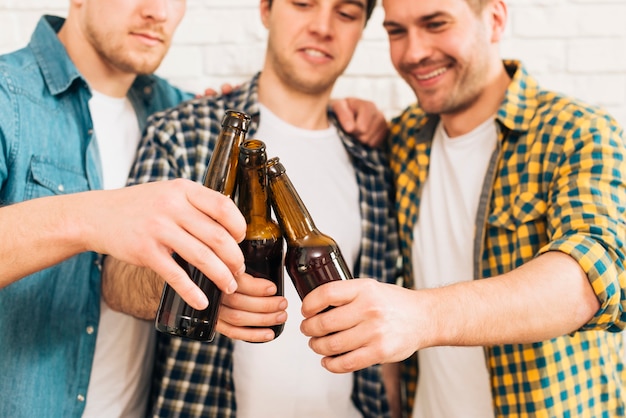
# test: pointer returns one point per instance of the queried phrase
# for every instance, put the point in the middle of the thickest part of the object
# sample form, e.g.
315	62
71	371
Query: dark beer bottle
263	246
312	257
174	315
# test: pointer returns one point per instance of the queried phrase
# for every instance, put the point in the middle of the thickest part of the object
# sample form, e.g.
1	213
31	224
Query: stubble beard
117	55
289	74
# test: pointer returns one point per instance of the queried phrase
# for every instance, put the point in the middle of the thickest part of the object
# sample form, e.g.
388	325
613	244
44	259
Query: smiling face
444	49
130	36
311	42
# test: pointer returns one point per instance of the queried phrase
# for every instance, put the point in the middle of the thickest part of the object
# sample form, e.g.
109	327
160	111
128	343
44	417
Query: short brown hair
369	8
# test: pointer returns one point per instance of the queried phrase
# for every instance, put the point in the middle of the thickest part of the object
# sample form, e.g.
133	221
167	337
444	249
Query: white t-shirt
453	381
284	378
120	377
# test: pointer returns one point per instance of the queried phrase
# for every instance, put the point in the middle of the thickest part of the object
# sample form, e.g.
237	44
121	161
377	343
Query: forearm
547	297
131	289
38	234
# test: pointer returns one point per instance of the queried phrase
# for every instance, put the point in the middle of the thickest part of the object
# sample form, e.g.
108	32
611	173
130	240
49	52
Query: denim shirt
49	320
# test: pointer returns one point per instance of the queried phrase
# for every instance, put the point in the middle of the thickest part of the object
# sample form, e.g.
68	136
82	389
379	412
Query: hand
226	88
246	314
371	323
143	225
361	119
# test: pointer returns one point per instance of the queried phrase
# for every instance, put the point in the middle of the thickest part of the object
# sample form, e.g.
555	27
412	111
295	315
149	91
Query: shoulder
19	72
562	115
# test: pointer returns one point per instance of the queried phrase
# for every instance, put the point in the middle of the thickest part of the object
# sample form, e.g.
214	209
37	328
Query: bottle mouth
274	167
236	119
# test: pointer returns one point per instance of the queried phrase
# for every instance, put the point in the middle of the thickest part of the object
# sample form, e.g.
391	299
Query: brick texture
577	47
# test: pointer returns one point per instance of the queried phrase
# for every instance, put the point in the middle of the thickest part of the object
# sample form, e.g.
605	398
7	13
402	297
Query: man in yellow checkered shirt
511	205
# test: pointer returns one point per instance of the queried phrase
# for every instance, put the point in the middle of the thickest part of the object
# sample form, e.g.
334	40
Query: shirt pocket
516	232
526	207
49	178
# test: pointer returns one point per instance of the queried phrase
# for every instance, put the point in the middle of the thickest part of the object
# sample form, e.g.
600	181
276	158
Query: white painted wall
577	47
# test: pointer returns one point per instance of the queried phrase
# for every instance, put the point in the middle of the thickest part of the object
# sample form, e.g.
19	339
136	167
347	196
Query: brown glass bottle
312	257
174	315
263	246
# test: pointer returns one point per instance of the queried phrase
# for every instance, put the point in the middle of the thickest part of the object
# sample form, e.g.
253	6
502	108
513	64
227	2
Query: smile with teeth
314	52
432	74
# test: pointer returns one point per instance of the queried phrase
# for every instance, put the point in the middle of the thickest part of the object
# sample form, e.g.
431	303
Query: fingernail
232	286
271	290
281	317
283	305
200	299
269	336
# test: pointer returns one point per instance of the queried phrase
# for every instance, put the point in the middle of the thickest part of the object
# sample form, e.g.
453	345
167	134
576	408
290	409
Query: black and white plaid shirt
194	379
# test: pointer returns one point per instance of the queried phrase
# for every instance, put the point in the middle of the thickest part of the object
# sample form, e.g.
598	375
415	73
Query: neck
99	74
303	110
484	107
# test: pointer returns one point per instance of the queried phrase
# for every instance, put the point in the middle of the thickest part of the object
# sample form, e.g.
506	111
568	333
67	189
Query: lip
430	76
315	54
148	38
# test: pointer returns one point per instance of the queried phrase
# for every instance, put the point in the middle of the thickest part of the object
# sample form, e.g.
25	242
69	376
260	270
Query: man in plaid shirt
347	189
511	205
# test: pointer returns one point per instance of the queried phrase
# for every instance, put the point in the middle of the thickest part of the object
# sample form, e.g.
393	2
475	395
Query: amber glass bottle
312	257
263	246
174	315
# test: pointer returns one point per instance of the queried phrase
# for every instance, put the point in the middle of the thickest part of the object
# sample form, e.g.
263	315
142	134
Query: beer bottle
263	246
312	257
174	315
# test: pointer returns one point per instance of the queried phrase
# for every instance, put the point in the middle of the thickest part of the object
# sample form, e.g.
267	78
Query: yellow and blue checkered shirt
556	182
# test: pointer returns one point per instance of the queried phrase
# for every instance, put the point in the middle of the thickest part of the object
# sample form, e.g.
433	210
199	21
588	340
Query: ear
264	8
498	14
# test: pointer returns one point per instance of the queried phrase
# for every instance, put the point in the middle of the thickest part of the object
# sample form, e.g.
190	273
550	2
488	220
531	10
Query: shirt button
61	188
90	330
80	398
147	90
90	132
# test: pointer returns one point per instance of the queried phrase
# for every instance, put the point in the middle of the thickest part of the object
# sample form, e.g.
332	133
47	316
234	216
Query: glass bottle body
174	315
263	245
312	258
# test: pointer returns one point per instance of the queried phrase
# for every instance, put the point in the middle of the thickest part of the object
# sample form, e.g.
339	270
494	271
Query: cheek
396	51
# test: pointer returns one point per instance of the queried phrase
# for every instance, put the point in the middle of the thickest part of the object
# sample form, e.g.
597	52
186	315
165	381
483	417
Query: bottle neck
221	172
293	216
253	192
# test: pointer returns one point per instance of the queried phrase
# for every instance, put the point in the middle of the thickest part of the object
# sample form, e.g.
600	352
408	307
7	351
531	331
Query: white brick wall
577	47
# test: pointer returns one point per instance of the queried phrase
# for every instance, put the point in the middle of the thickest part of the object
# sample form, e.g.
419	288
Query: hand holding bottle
251	312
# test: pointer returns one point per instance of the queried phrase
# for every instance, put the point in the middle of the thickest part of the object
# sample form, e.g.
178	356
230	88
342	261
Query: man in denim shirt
58	148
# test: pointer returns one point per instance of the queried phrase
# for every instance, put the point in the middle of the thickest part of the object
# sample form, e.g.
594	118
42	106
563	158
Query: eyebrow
358	3
421	19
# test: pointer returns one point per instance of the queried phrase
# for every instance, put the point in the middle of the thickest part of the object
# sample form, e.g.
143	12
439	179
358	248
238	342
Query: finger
227	88
340	342
209	92
255	286
263	304
220	208
165	266
351	361
345	114
215	254
243	318
335	293
256	335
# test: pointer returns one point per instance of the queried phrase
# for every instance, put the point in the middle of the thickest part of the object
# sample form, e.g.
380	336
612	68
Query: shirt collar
59	72
520	101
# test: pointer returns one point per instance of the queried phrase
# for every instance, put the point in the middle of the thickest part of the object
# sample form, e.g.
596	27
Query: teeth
314	53
432	74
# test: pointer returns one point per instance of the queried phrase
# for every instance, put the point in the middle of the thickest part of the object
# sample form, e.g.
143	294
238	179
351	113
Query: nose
416	48
156	10
321	22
